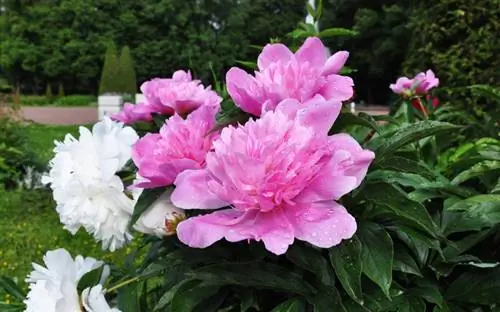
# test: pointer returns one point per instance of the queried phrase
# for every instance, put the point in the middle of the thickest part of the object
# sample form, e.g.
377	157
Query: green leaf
145	200
429	291
476	170
311	10
250	65
128	300
11	288
377	254
311	260
292	305
411	133
477	286
337	32
327	298
346	261
253	274
403	164
395	177
346	119
188	297
404	262
416	241
90	279
485	208
167	297
400	206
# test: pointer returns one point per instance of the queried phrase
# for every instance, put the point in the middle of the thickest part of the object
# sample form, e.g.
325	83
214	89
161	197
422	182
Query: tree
110	71
459	42
126	77
378	51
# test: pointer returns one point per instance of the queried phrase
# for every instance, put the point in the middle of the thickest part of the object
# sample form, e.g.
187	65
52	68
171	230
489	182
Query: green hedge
460	42
68	100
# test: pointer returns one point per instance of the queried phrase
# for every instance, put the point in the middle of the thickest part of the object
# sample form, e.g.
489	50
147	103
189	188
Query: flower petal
323	224
312	51
319	114
270	227
338	88
273	53
192	192
244	91
335	63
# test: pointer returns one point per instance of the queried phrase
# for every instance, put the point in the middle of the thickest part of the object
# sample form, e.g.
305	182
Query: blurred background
59	47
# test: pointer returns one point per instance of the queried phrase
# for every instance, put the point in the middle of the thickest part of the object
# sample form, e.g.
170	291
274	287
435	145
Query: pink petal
270	227
335	63
323	224
273	53
203	231
319	114
288	107
312	51
244	91
192	192
339	88
352	159
145	144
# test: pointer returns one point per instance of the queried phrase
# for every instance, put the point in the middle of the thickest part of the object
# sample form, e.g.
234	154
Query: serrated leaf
253	274
377	254
311	260
292	305
145	200
346	261
413	132
480	286
400	206
11	288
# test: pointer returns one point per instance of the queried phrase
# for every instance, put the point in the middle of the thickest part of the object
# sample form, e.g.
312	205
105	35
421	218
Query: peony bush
275	198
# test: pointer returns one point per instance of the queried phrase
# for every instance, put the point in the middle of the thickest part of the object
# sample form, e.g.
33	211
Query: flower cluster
86	188
417	88
53	288
421	84
179	94
276	177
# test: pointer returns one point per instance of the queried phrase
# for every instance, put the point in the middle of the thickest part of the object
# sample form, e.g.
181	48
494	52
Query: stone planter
108	105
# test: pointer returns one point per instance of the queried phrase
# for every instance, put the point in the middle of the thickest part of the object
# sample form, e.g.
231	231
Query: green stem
124	283
422	107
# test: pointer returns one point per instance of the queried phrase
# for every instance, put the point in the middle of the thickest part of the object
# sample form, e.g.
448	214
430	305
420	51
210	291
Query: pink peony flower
181	144
421	84
179	94
283	75
132	113
280	174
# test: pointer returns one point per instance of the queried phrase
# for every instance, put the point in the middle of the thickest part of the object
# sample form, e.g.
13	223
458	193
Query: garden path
87	115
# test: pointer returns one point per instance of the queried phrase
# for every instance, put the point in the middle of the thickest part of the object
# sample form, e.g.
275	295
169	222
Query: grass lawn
29	225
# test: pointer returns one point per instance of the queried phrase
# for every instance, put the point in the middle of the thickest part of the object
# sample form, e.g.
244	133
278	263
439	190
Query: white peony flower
93	300
53	288
85	186
161	218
